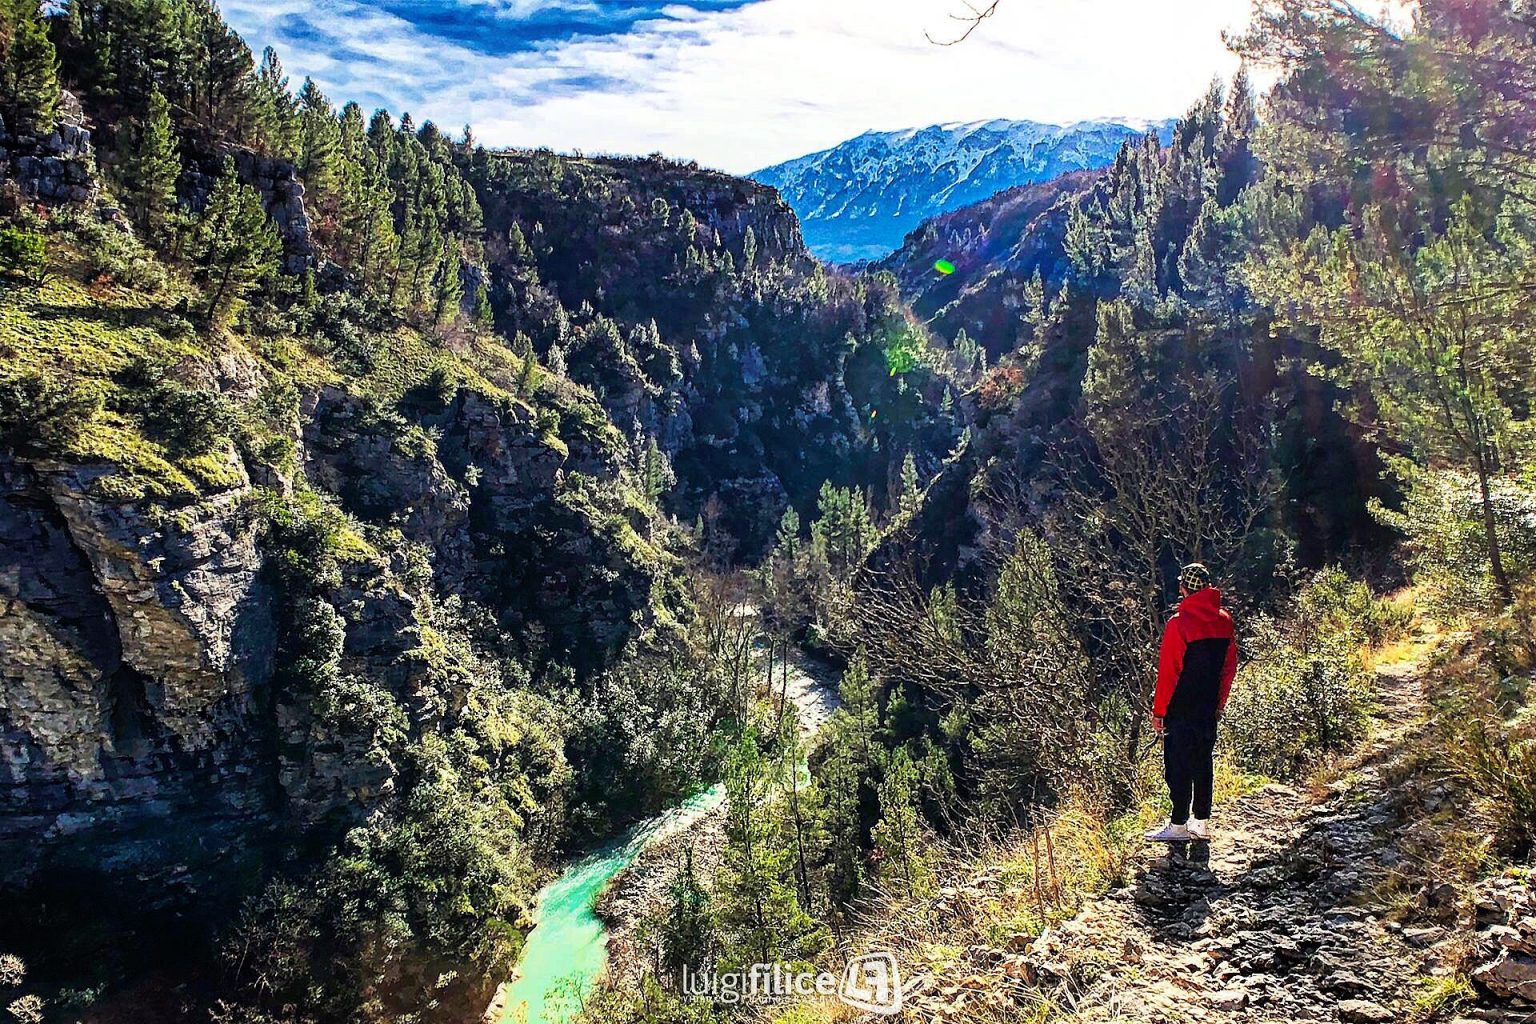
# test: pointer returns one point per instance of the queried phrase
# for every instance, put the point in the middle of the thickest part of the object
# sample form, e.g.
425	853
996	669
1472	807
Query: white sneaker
1200	829
1170	833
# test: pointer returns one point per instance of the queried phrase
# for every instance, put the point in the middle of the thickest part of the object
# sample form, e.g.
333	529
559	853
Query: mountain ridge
859	199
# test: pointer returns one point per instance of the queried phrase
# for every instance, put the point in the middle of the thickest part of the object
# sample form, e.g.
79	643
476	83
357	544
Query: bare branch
972	20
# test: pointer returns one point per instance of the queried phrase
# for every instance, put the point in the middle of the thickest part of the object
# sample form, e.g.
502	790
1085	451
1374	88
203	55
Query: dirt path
1270	921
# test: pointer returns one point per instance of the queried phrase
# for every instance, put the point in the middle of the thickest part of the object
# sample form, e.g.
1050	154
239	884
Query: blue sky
740	84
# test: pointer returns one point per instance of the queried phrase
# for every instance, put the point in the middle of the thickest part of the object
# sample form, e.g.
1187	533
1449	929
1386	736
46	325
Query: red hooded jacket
1197	661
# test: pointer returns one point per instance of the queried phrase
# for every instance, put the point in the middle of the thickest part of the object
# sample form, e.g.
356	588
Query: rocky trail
1277	918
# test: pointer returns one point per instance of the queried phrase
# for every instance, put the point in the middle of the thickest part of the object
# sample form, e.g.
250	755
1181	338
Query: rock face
282	195
138	649
686	301
1505	915
143	725
55	168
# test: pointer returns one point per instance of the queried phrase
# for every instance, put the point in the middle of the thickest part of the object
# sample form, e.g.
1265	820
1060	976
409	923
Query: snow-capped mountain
858	199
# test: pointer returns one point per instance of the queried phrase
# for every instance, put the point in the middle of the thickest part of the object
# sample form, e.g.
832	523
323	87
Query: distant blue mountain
858	200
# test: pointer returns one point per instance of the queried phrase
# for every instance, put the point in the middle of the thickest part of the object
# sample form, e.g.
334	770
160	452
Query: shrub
1447	546
23	254
187	421
45	412
114	253
1288	710
1303	690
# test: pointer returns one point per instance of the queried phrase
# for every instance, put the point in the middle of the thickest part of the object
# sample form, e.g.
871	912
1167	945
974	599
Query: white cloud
749	87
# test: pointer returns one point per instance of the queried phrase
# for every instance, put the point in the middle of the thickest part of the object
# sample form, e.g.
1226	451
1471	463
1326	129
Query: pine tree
760	915
528	376
485	316
687	932
235	246
911	488
29	81
786	544
657	476
319	145
276	111
1234	147
448	287
899	834
147	172
843	527
221	69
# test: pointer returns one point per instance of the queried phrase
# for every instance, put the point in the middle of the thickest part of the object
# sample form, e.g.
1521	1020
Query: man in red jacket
1194	677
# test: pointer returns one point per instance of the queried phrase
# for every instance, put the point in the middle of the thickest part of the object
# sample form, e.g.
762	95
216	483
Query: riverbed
567	950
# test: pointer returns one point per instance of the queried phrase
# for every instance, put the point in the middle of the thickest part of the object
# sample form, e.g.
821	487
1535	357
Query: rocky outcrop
282	195
137	649
55	168
143	723
1504	916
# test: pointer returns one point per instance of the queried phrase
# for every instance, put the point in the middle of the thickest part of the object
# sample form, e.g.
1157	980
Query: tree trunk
1495	553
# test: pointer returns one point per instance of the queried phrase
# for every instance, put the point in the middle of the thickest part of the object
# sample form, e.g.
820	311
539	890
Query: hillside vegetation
384	519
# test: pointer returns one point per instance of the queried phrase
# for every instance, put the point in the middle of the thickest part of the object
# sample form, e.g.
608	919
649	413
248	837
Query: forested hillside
353	475
385	520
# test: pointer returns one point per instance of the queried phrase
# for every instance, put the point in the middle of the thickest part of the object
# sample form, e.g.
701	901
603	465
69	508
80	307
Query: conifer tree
911	487
899	834
448	287
528	376
235	246
760	914
656	471
147	172
1234	146
220	71
319	144
276	111
29	79
843	527
687	931
786	543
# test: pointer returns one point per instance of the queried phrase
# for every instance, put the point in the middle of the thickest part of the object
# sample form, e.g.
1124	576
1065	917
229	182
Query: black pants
1188	748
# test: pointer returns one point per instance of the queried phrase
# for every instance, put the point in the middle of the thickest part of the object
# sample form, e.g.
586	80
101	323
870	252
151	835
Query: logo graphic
872	983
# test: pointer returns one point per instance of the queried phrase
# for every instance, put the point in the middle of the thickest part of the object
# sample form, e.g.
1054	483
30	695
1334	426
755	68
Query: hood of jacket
1203	605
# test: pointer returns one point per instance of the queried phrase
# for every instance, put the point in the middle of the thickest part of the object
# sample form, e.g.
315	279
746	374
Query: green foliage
186	421
898	837
45	412
23	254
113	254
420	892
759	913
1302	691
684	930
902	353
1447	539
29	75
234	247
308	538
843	528
147	168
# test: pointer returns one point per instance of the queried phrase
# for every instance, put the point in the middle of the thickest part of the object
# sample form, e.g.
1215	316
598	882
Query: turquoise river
567	949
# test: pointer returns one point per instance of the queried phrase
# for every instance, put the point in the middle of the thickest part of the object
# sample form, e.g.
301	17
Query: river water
567	949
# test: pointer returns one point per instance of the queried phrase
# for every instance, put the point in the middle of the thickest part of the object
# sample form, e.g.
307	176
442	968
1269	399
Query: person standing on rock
1194	676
